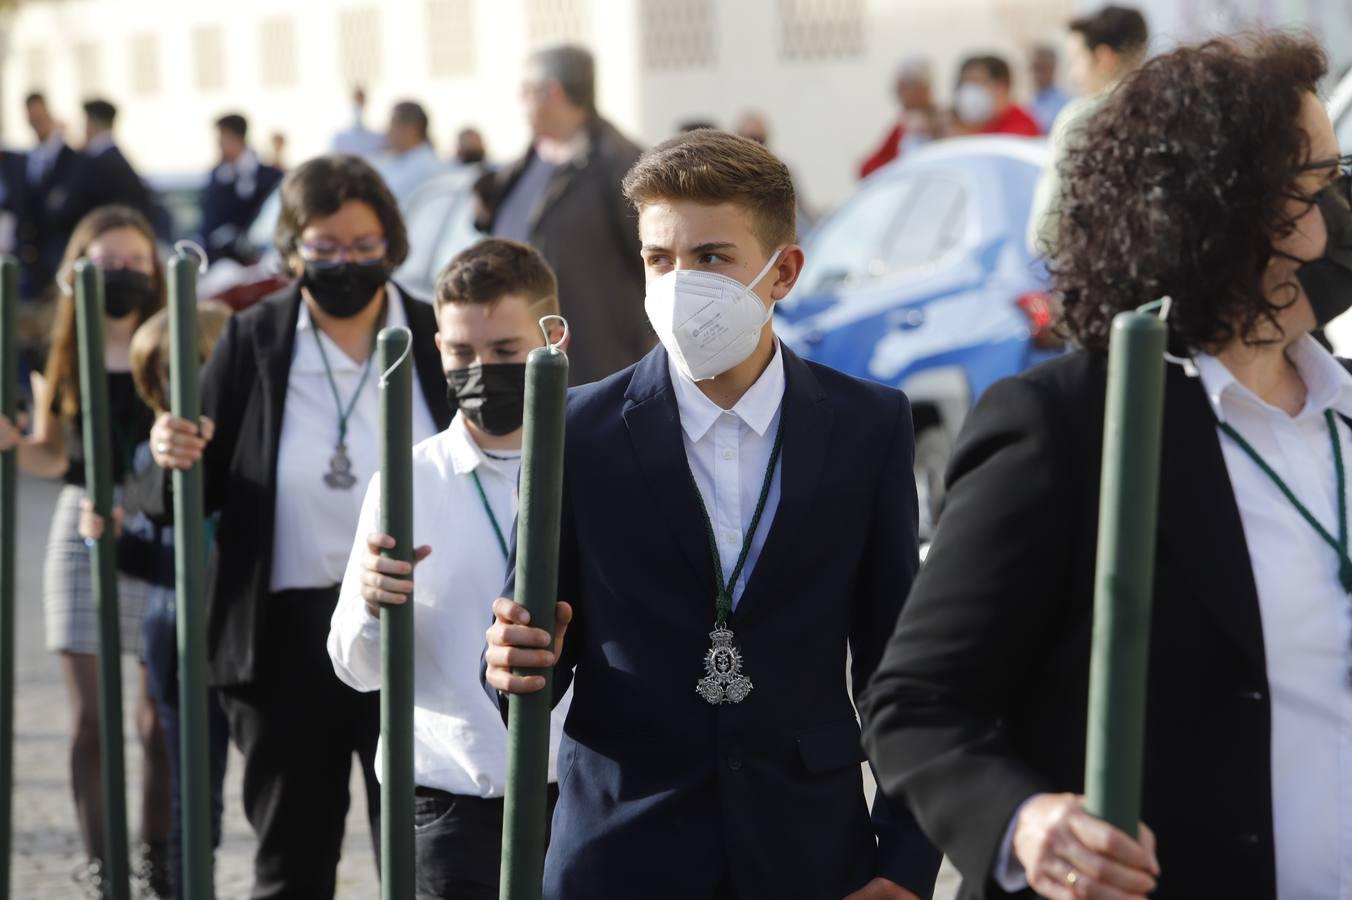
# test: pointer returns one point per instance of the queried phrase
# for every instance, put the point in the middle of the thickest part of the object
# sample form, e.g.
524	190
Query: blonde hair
150	350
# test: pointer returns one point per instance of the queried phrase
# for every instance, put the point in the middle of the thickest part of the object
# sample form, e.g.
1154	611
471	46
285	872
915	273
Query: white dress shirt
1306	615
459	741
313	522
728	451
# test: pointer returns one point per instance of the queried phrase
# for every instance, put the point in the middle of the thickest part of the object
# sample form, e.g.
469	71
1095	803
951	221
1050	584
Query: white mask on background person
707	322
974	104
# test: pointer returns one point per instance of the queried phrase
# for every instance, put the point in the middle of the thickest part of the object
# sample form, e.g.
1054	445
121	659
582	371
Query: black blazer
767	794
981	698
244	392
226	215
103	179
43	230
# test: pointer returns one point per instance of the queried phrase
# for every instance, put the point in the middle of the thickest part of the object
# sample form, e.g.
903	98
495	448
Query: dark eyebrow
713	246
505	341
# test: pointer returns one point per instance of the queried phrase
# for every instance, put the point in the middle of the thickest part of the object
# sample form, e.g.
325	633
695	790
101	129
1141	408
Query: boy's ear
786	271
436	338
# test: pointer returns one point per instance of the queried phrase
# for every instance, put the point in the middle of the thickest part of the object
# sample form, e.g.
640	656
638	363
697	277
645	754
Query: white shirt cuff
1009	873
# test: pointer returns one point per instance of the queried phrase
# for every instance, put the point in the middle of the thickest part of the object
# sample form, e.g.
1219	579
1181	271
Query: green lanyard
723	601
497	529
1340	545
344	414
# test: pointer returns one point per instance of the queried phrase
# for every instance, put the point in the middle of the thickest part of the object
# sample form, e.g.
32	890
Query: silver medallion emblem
723	681
339	476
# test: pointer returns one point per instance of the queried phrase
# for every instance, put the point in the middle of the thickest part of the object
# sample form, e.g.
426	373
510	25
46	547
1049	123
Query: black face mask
492	397
126	291
345	289
1328	280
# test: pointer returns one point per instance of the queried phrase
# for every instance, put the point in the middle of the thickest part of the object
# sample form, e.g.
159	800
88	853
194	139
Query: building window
359	45
678	34
35	68
87	74
208	50
450	38
550	22
145	63
277	52
820	30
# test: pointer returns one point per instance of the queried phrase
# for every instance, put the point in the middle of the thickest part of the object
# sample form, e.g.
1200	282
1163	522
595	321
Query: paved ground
46	844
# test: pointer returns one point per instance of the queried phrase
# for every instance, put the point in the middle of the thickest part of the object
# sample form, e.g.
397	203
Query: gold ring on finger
1072	877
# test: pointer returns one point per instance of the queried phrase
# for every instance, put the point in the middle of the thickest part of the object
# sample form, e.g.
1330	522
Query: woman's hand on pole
1067	853
177	443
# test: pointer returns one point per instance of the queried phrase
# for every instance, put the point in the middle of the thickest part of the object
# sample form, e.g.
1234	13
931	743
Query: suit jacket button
1248	839
735	763
1251	695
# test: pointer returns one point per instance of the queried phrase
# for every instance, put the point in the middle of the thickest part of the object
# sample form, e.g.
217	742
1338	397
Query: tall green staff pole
190	568
396	622
537	577
9	374
99	487
1125	568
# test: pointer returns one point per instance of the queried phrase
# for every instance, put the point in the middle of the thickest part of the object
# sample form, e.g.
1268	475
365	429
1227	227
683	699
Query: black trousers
458	844
298	727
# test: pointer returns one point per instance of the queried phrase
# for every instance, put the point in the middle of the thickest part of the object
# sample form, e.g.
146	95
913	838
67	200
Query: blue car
923	279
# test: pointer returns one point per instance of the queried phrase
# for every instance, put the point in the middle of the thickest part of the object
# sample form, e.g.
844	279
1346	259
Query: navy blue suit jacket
226	215
661	794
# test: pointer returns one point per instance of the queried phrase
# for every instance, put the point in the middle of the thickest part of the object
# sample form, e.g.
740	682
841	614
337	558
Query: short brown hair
492	269
320	186
712	167
150	350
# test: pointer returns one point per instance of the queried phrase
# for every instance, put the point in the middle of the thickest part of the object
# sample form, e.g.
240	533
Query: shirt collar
757	407
1328	385
465	454
99	143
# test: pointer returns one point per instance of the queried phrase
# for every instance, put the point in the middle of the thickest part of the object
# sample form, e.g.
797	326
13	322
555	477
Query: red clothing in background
890	149
1014	120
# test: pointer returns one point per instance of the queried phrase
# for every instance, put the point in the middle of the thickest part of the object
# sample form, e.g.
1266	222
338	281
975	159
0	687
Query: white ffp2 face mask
708	322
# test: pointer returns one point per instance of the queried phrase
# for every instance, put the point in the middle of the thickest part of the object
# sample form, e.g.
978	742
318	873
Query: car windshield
886	229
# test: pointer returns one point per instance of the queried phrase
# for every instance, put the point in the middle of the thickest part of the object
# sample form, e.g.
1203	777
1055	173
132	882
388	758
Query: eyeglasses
331	253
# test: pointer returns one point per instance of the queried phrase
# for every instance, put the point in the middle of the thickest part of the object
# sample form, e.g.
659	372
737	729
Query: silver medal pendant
339	476
723	681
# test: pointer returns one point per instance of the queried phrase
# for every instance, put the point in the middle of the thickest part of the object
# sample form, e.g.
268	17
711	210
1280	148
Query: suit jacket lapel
564	176
807	436
654	424
1199	520
274	345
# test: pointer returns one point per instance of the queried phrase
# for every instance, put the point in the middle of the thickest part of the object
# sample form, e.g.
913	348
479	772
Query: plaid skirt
67	587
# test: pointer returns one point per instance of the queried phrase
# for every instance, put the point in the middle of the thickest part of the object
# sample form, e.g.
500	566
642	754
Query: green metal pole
537	574
190	568
1125	569
396	622
99	487
9	483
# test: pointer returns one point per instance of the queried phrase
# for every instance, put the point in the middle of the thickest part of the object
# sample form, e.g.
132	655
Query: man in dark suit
40	198
564	198
730	486
235	190
103	175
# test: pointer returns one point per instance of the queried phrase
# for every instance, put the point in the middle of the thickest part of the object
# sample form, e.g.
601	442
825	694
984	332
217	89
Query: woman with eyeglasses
120	242
289	440
1211	176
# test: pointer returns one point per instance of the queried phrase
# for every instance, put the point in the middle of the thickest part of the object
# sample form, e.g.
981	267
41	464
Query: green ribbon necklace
497	529
723	681
1339	545
339	476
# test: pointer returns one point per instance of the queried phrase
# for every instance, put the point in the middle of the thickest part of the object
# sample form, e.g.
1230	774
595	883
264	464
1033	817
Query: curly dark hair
1180	185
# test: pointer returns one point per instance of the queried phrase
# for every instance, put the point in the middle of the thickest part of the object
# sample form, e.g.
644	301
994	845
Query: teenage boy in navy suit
735	521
